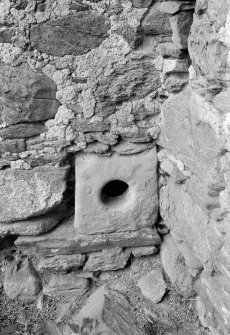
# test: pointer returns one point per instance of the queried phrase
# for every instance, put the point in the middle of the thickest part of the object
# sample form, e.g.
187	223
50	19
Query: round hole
113	191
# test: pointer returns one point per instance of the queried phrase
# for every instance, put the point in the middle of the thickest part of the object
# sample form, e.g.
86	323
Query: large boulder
26	193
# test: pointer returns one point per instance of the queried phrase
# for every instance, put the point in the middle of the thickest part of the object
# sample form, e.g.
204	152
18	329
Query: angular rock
175	65
143	251
35	225
34	101
110	311
175	82
5	35
168	49
141	3
66	285
90	125
23	130
107	259
181	24
222	101
70	35
26	193
172	7
22	281
129	148
156	22
153	286
64	241
61	263
14	146
174	265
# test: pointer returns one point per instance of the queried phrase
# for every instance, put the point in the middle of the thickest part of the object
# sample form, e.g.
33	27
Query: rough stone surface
108	259
66	285
112	311
64	241
22	281
34	101
61	263
153	286
156	21
174	265
75	34
22	130
30	192
135	209
181	24
143	251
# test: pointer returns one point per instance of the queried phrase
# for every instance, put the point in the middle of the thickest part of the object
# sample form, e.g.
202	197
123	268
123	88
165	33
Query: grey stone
61	262
156	22
141	3
111	311
153	286
129	148
70	35
175	82
22	281
23	130
64	241
181	24
134	208
5	35
89	125
26	193
35	225
34	101
172	7
174	265
143	251
169	49
222	101
66	285
107	259
14	146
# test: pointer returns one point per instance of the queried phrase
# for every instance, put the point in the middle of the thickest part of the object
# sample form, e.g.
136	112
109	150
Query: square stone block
115	193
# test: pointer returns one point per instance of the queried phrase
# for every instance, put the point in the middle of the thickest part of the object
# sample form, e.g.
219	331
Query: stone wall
94	91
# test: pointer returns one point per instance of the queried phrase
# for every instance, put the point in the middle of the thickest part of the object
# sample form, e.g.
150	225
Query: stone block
14	146
153	286
26	193
156	21
181	24
70	35
117	193
143	251
22	130
64	241
25	95
61	262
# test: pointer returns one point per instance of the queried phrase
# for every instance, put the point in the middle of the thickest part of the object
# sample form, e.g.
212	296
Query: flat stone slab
116	193
153	286
61	262
64	240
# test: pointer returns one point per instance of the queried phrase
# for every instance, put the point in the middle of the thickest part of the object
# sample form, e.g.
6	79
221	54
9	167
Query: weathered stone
116	192
23	130
143	251
141	3
97	148
222	101
14	146
156	22
64	241
174	265
172	7
170	50
130	81
107	259
34	101
70	35
90	125
181	24
175	82
61	263
35	225
129	148
26	193
66	285
175	65
5	35
22	281
153	286
110	312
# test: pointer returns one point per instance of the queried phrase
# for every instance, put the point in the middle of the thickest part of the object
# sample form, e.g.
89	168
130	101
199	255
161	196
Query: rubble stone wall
118	78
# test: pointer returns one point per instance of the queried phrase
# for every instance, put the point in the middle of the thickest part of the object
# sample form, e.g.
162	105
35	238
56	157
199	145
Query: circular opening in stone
114	190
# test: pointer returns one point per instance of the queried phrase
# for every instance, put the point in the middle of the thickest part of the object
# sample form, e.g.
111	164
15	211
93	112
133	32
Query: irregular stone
156	22
141	3
35	225
107	259
172	7
22	281
97	147
175	65
5	35
169	49
129	148
153	286
14	146
143	251
175	82
26	193
70	35
181	24
117	192
23	130
36	99
174	265
64	241
90	125
66	285
61	263
110	312
222	101
162	323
